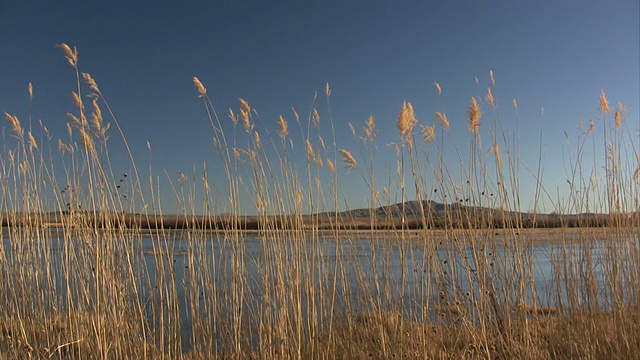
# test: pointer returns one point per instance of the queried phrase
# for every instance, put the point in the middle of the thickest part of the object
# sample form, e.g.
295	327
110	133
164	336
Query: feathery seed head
407	119
233	117
30	91
618	119
315	117
77	101
246	123
91	82
32	141
439	89
515	105
74	120
310	149
327	90
592	127
490	98
96	115
621	111
201	89
348	159
71	55
493	80
474	116
87	141
283	132
245	112
15	124
370	130
442	118
244	105
604	103
332	167
428	133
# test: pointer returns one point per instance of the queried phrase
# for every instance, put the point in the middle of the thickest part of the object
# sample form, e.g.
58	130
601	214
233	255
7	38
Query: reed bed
90	268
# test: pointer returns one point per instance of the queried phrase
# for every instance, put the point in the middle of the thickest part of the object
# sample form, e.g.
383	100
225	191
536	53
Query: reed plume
87	141
77	100
96	115
233	117
406	120
15	124
604	103
32	141
310	151
283	132
70	55
201	89
442	118
331	166
348	159
592	127
91	82
245	112
428	133
490	98
474	116
370	130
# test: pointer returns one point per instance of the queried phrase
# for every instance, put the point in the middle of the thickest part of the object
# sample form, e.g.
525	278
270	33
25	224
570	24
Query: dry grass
99	286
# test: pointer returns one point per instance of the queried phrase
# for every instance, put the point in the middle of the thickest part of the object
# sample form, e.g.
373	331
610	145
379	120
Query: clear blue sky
556	55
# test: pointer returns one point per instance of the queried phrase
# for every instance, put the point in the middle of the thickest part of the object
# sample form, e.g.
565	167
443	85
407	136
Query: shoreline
449	235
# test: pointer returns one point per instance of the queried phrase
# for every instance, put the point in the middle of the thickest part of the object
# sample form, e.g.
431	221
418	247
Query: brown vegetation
81	277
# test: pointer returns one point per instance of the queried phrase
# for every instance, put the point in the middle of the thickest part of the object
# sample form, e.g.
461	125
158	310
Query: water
201	274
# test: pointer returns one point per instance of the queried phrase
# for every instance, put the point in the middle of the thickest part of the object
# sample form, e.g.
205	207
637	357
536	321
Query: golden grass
100	286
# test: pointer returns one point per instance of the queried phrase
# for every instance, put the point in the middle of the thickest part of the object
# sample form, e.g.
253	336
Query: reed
90	267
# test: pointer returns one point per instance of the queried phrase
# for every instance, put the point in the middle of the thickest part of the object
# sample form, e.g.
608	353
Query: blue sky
375	54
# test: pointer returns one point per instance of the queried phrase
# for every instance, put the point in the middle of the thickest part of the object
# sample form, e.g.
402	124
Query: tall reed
442	263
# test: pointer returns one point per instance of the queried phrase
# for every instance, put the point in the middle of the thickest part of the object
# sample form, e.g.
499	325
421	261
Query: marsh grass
98	285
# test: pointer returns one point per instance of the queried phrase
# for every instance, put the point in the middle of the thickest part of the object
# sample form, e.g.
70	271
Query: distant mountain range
410	214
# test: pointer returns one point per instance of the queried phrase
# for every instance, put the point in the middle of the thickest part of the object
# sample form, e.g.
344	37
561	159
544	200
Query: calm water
395	276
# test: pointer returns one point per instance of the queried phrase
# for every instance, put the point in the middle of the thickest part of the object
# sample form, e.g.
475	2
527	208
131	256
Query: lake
206	277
